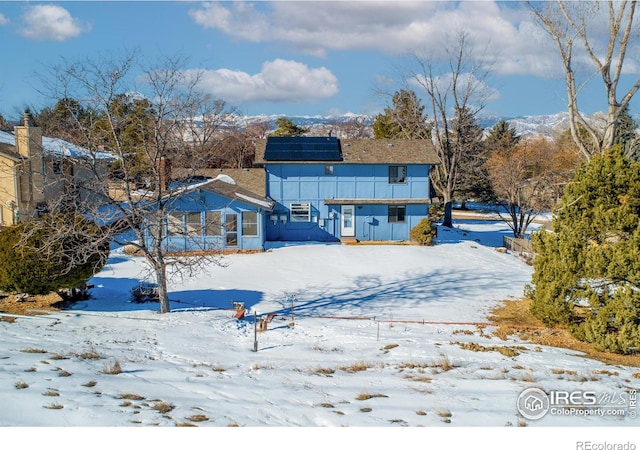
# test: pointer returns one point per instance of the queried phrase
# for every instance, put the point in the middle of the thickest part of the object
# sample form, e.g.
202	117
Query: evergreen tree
473	182
405	119
287	128
626	134
53	252
587	271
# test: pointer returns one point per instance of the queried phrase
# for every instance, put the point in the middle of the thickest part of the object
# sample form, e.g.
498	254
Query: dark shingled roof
253	180
237	192
369	151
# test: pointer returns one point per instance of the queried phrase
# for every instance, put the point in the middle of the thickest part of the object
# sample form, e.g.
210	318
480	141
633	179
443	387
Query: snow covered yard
384	336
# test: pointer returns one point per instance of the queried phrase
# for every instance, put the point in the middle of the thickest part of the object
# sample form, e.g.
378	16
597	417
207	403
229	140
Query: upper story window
300	212
397	174
57	167
328	169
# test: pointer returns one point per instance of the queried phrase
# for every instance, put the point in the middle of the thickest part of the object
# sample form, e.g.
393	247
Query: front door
231	229
348	222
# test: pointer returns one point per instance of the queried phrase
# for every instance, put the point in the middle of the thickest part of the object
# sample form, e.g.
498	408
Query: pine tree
587	271
405	119
473	181
287	128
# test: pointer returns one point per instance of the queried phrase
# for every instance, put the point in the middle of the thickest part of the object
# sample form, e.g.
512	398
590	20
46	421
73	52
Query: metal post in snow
255	332
293	297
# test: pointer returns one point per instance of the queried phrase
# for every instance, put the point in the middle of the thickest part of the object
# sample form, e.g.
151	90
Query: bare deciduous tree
528	178
165	129
457	88
575	25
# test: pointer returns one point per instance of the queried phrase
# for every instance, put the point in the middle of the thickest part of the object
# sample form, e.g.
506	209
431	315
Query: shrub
587	271
56	251
424	233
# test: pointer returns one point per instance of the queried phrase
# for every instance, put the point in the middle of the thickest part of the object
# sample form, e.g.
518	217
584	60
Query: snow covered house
215	214
330	189
37	171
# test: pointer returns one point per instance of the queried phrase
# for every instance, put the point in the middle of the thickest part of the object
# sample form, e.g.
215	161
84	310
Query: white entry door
348	222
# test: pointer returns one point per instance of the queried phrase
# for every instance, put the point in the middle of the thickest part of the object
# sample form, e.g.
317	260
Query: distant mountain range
526	126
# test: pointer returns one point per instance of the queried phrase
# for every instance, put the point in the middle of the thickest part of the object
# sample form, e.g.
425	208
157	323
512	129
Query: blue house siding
360	185
205	220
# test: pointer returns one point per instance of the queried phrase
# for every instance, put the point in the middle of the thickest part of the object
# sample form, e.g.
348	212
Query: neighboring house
37	172
216	214
329	189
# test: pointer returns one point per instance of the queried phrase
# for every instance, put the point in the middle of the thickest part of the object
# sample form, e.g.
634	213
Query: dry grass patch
327	405
606	372
163	407
419	378
91	383
516	314
198	418
219	369
367	396
421	412
365	410
327	371
53	406
388	347
185	424
113	368
128	396
31	369
57	356
89	354
636	375
359	366
21	385
63	373
33	350
51	393
508	351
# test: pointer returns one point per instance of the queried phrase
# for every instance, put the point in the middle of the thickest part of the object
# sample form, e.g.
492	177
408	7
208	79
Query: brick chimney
164	173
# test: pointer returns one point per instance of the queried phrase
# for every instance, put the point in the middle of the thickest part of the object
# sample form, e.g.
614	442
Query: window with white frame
249	224
397	174
300	212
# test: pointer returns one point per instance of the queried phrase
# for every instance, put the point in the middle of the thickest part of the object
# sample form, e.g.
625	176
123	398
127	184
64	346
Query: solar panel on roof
311	148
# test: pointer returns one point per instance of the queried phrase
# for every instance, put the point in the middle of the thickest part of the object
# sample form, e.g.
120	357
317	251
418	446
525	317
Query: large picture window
300	212
397	174
396	213
249	224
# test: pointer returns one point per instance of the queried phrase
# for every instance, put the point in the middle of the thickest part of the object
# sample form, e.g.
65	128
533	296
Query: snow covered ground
382	337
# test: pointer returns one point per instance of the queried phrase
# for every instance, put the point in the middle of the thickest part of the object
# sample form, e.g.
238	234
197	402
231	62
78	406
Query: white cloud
516	44
278	81
51	23
3	20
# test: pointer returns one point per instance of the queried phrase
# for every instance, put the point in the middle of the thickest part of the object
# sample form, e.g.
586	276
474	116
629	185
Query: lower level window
396	213
300	212
249	223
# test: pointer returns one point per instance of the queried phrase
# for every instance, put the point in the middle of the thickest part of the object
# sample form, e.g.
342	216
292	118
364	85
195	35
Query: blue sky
288	57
